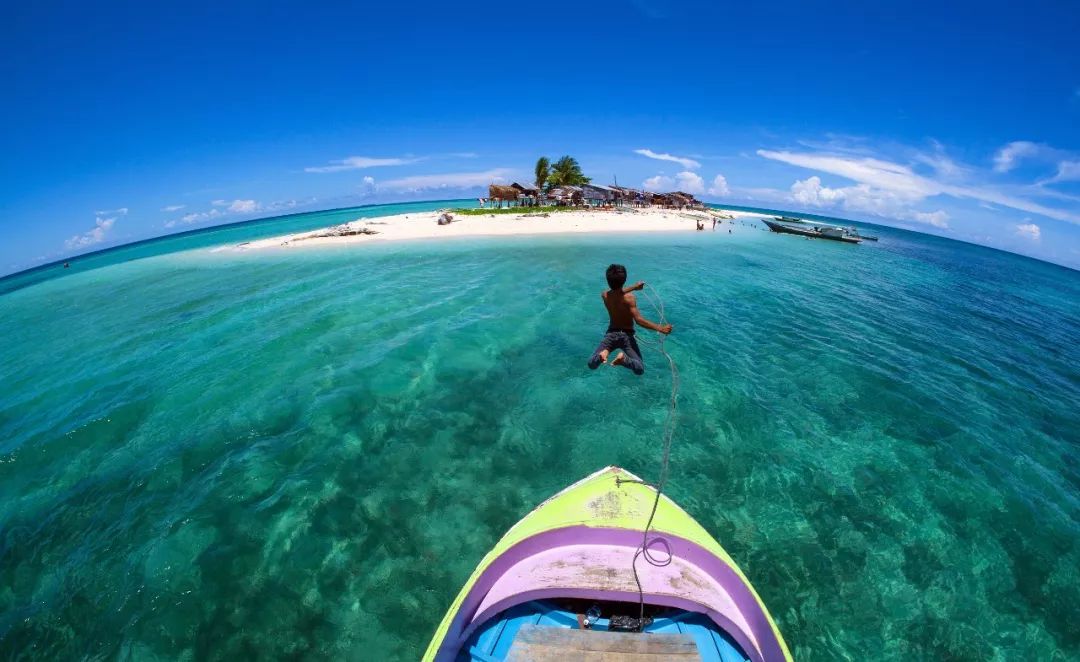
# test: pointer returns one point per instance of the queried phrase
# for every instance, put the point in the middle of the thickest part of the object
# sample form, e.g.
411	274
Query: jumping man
622	310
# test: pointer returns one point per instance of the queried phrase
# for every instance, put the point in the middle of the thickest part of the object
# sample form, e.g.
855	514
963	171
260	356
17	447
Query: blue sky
130	120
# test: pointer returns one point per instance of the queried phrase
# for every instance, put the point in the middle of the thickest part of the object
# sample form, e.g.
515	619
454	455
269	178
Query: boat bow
580	543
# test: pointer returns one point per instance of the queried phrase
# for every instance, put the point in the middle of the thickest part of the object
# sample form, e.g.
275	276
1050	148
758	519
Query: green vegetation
567	172
543	171
477	211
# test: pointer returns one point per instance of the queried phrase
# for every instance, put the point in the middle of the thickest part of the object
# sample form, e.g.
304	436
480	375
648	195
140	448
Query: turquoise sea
304	453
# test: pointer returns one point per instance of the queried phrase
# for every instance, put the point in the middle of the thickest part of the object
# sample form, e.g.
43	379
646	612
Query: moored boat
854	232
817	232
560	584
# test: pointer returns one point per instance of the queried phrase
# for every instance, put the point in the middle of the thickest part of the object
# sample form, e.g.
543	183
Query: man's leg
631	356
601	353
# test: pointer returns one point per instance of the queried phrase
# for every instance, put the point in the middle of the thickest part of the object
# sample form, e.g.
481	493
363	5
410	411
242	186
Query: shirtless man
622	310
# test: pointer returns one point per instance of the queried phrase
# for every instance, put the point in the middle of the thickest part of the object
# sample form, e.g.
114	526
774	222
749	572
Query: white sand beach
424	225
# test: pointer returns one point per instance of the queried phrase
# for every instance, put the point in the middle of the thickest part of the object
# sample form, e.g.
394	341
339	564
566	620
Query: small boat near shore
854	232
561	584
817	232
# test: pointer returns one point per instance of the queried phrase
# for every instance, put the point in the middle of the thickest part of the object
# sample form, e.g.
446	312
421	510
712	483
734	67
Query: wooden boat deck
535	643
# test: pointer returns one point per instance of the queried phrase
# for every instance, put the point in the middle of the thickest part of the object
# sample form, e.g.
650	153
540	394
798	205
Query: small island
561	200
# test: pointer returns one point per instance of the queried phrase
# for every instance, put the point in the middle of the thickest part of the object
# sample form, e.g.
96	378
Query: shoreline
424	226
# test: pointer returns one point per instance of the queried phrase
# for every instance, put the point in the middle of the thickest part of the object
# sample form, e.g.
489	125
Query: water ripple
306	453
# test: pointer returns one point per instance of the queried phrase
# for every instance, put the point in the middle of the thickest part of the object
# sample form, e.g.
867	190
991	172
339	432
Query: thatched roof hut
501	192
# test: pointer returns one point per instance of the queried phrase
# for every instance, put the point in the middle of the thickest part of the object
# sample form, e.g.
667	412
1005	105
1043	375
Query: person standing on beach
621	305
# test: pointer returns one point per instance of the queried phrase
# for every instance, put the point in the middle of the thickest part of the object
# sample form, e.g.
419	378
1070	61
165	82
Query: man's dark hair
616	276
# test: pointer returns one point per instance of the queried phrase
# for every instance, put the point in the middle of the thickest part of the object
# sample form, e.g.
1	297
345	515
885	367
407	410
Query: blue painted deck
492	641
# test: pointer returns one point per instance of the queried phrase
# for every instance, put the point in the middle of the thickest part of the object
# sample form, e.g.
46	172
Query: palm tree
543	171
567	172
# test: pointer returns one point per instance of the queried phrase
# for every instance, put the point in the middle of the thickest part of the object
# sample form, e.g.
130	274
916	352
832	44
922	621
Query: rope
669	432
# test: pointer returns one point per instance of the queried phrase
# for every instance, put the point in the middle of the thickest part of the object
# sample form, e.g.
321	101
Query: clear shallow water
213	236
213	456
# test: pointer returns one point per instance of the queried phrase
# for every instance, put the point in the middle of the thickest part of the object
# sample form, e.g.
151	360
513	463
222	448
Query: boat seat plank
547	644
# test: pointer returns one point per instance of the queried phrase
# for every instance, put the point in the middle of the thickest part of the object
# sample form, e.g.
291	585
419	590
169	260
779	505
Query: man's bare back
623	313
620	307
623	310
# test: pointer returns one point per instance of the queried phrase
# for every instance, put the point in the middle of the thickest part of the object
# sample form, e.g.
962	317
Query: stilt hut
527	194
597	195
498	194
662	200
687	200
565	195
629	197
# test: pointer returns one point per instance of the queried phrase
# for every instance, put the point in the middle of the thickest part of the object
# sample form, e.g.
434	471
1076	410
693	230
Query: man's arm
631	300
640	285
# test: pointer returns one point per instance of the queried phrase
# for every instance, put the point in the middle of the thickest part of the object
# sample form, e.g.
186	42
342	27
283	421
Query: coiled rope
669	432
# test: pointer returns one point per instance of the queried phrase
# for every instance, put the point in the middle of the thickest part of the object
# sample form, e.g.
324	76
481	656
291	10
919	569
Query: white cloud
195	217
838	142
719	186
686	181
279	205
862	198
901	185
1068	165
681	160
658	184
95	235
222	208
689	182
1010	155
369	180
447	180
360	162
937	218
1067	171
122	211
243	207
810	192
877	173
1029	230
940	161
172	208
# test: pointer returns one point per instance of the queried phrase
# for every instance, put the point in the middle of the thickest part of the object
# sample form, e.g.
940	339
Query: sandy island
425	225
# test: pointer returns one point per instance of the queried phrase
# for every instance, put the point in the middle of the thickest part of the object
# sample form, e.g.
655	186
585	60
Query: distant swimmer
66	265
623	312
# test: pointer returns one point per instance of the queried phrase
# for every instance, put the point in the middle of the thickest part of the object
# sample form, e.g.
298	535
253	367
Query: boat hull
814	234
580	544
